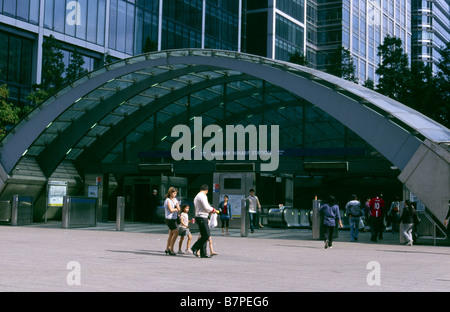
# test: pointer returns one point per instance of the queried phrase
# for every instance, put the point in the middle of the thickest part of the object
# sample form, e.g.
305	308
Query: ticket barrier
79	211
284	217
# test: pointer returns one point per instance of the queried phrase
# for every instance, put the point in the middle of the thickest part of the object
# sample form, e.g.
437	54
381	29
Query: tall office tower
276	28
318	27
430	30
118	28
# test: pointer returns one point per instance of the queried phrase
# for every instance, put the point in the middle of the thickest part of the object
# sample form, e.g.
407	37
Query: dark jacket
408	215
353	208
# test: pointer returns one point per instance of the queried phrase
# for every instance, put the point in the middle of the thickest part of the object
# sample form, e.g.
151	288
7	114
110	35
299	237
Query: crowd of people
374	215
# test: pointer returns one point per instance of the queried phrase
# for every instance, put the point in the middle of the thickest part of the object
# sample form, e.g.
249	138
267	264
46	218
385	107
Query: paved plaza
43	258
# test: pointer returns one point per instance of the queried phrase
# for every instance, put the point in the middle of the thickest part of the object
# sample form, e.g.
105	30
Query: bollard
120	215
15	210
244	218
316	222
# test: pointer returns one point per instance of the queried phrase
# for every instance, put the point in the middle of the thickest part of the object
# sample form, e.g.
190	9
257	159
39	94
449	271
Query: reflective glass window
9	7
81	26
92	14
59	17
48	14
34	11
101	19
23	9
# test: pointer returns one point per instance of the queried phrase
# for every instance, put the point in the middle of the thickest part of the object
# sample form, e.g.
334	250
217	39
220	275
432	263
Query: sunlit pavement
50	258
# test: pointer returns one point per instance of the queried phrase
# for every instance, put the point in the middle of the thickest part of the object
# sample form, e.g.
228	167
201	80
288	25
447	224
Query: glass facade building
276	29
114	28
357	25
273	28
430	30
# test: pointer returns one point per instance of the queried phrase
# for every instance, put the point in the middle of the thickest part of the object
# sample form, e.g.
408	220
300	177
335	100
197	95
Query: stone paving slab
49	258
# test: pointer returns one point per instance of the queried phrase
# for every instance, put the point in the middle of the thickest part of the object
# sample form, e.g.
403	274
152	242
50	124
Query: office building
430	30
115	29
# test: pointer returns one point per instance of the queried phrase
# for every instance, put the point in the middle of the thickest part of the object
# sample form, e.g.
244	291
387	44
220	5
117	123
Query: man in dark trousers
202	211
376	205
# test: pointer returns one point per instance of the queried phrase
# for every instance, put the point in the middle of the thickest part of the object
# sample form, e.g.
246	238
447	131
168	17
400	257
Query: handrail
435	225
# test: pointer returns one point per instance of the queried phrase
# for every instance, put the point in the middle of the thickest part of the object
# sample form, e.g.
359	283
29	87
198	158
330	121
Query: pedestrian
331	214
376	217
354	213
367	215
225	214
183	229
202	210
407	222
154	201
254	208
447	216
394	212
171	208
446	220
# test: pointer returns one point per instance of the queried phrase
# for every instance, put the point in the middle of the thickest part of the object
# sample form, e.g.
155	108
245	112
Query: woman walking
407	222
331	213
171	207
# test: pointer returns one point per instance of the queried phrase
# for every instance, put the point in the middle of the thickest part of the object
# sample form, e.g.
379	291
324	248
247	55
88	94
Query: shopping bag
213	221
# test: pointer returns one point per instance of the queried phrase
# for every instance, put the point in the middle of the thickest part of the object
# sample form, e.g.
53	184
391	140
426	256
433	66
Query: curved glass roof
115	112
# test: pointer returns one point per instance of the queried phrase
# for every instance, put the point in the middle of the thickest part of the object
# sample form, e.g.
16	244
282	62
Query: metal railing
428	228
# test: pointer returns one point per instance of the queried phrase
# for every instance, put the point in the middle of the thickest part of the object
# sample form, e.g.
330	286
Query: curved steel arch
401	134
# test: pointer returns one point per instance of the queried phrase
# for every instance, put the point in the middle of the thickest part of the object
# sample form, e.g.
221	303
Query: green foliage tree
342	65
298	58
149	45
369	83
394	69
52	65
443	85
9	114
415	86
75	68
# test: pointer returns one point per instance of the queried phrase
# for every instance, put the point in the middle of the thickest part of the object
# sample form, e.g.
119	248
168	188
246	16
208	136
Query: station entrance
334	136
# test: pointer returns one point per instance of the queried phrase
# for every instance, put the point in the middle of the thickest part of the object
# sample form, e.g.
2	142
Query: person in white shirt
254	209
202	211
171	207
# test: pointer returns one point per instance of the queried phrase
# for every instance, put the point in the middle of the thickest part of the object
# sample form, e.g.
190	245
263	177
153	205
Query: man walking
202	210
376	217
354	213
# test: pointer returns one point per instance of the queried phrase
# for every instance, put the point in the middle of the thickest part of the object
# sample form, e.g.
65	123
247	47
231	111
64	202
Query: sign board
235	202
56	192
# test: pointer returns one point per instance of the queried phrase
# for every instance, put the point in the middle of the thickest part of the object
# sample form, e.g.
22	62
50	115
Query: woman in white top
171	207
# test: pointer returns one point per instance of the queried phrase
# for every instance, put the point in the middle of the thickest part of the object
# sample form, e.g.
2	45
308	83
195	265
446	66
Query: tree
394	71
149	45
52	65
342	65
9	114
369	83
298	58
443	86
421	90
75	68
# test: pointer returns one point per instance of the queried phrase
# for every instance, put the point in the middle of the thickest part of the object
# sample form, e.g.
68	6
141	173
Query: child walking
184	229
